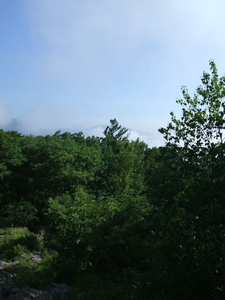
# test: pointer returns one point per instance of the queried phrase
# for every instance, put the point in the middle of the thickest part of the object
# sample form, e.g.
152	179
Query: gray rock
4	264
35	257
28	293
6	278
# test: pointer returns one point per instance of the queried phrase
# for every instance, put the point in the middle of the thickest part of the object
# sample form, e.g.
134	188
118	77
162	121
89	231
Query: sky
73	65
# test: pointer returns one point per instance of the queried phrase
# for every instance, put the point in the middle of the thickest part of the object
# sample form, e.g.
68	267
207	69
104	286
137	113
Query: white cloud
94	131
82	37
4	113
146	130
91	43
48	118
45	119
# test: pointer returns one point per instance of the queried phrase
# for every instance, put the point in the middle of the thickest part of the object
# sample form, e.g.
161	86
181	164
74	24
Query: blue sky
74	65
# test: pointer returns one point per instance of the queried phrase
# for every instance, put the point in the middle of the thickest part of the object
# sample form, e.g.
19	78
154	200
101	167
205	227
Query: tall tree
198	207
116	132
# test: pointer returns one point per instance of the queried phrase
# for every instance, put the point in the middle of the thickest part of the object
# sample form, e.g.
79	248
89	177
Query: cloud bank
4	113
75	65
45	120
82	37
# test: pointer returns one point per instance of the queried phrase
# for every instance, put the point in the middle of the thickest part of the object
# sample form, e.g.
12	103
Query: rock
28	293
35	257
4	264
6	278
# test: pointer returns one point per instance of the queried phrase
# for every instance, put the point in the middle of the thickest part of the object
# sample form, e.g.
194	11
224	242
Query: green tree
100	225
97	233
122	163
116	132
12	159
57	165
197	206
202	123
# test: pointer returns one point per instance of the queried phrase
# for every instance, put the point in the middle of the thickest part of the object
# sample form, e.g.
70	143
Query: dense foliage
149	220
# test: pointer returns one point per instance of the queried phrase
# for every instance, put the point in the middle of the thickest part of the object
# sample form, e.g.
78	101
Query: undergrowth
18	244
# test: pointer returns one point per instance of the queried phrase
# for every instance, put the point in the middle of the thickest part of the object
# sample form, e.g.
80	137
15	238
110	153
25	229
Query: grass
14	231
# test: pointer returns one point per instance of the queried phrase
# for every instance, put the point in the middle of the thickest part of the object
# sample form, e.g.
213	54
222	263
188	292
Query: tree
121	163
11	160
100	224
115	132
202	123
56	165
198	207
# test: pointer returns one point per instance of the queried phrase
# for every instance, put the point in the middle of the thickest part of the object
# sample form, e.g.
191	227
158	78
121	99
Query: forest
136	222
